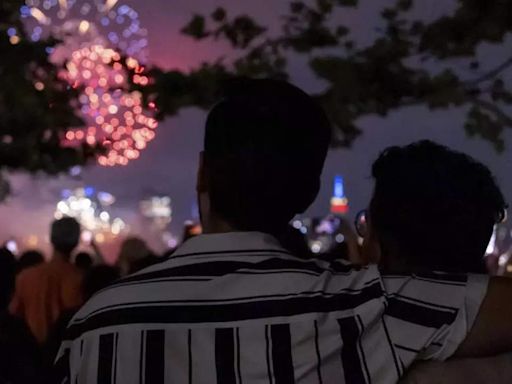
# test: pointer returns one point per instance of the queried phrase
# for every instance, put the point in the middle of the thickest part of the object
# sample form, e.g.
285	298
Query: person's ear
202	179
371	251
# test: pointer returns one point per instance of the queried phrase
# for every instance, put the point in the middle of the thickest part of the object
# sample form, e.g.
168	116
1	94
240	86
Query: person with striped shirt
434	209
235	306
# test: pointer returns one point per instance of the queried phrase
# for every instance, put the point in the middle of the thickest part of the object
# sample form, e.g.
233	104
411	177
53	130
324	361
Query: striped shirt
237	308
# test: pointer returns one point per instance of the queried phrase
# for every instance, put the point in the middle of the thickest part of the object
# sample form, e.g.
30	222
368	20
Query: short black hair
65	235
29	259
265	146
435	207
84	261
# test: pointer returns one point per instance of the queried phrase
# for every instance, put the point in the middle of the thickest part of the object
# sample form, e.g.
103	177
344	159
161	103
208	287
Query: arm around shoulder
491	333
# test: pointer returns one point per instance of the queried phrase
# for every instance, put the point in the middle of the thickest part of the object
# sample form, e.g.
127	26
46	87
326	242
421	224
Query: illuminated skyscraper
339	202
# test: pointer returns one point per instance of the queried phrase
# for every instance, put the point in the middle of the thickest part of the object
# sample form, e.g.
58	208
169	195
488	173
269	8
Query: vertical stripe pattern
142	354
154	366
238	309
282	354
318	356
190	360
350	334
106	359
268	354
225	356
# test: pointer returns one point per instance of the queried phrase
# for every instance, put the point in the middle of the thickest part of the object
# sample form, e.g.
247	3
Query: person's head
432	208
97	278
83	261
132	251
30	259
65	236
7	277
264	150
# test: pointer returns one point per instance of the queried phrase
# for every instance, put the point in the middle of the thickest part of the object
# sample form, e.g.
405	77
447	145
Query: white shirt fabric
238	308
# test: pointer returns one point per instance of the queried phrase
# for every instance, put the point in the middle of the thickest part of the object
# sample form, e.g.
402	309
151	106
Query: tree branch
497	111
492	74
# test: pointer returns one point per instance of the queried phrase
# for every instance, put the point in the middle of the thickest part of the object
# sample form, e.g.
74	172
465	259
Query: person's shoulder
109	297
31	273
133	287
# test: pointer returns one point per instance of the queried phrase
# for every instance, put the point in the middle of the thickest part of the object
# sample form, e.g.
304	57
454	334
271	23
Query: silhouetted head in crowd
65	236
7	277
83	261
30	259
432	209
97	278
133	250
264	150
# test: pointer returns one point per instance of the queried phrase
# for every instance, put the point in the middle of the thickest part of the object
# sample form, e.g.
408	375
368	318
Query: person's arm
352	241
97	252
495	370
492	332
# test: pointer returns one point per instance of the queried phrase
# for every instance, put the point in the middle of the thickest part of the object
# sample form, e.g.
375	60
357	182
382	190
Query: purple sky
168	165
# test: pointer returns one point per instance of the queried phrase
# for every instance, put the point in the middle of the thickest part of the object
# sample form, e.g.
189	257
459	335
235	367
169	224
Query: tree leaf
196	28
219	15
404	5
342	31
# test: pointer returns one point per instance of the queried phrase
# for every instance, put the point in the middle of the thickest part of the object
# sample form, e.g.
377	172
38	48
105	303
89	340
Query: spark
110	4
84	27
39	16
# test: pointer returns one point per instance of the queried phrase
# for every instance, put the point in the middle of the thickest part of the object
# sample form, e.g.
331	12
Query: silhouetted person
29	259
133	255
96	279
434	209
20	359
45	291
234	306
83	261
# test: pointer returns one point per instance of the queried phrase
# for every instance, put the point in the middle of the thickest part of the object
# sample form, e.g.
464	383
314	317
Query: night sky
169	164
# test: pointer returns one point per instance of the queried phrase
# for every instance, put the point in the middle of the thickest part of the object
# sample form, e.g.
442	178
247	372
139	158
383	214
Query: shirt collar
229	242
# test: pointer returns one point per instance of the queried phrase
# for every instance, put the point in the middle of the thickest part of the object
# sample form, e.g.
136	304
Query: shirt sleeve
430	315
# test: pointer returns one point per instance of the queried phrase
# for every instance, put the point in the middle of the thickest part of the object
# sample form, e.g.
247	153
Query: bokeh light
114	117
106	22
95	35
90	209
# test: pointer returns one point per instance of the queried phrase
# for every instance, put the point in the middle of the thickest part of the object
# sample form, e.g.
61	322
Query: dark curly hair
434	207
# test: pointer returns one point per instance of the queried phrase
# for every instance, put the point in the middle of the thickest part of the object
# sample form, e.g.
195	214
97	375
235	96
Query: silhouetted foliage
393	72
33	120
